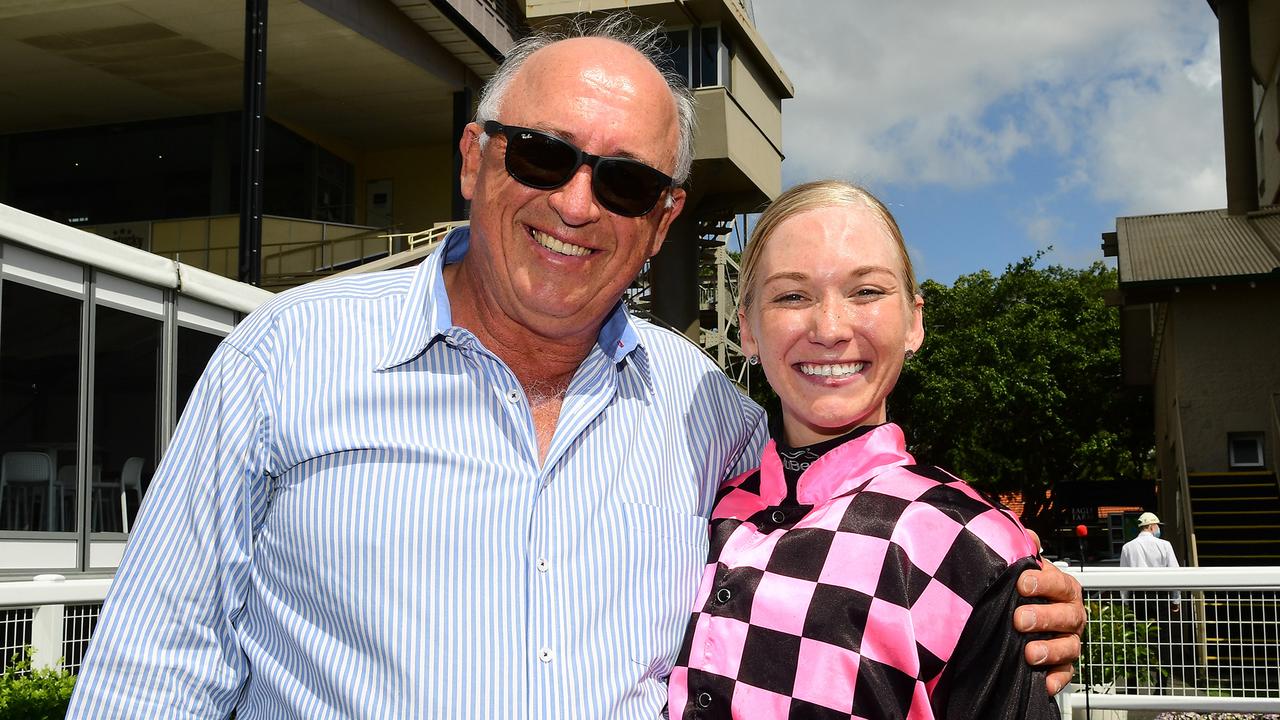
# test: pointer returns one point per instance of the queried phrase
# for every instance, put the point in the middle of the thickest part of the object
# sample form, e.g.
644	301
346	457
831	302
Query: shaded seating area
28	496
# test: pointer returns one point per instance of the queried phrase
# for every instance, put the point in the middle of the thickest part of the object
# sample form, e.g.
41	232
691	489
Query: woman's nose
830	323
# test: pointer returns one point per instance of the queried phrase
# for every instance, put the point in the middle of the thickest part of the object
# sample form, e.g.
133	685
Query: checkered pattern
849	604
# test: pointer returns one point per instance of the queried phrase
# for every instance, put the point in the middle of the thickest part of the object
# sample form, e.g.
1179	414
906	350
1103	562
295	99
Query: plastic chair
130	477
32	469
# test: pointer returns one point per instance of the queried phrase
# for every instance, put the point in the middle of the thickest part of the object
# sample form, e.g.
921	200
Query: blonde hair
812	196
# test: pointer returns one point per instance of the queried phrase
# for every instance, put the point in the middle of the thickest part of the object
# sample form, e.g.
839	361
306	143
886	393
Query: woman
844	578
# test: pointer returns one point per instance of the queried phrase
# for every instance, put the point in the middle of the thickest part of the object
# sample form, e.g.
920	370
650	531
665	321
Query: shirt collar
427	316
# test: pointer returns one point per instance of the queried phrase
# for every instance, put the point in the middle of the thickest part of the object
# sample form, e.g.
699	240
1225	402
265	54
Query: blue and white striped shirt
352	521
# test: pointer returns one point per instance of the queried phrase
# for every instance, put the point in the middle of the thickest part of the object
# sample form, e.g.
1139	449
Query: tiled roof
1204	245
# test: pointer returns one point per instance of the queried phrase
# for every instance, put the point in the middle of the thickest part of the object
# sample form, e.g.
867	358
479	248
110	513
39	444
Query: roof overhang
361	73
1211	246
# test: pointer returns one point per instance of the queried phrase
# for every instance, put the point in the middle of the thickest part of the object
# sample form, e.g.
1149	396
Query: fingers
1057	618
1051	584
1054	652
1058	677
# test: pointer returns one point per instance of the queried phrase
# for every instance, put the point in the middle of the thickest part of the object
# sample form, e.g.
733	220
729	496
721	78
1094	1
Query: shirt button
513	396
722	596
545	655
778	516
704	700
542	565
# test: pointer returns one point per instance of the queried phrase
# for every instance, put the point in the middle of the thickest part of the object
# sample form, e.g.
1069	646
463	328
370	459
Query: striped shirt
352	521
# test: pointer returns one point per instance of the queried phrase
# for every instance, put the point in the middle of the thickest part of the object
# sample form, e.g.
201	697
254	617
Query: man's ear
470	147
670	211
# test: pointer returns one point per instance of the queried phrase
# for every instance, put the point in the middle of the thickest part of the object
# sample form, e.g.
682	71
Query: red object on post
1082	531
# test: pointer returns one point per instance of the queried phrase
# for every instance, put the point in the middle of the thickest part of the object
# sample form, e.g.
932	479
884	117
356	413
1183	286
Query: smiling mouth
832	370
559	247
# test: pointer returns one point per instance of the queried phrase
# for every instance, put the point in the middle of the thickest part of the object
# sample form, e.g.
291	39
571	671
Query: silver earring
754	360
908	355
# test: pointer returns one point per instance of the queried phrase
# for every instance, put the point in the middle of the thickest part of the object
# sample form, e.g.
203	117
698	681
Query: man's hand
1063	617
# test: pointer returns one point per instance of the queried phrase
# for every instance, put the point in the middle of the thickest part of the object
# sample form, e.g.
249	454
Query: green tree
1018	383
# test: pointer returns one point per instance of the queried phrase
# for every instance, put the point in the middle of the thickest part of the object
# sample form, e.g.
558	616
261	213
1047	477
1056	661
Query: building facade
123	119
1200	319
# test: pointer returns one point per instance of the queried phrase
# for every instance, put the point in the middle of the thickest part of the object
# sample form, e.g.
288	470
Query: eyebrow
857	272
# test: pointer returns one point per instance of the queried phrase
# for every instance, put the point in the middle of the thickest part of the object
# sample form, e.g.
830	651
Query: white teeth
555	245
838	370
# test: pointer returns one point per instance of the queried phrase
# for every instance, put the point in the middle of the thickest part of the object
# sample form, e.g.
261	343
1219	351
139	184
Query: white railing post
46	635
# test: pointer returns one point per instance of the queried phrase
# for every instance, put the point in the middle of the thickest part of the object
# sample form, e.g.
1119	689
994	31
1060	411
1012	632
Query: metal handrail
1184	488
1275	438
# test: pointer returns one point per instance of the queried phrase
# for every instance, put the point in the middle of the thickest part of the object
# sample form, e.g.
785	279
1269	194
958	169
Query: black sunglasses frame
607	196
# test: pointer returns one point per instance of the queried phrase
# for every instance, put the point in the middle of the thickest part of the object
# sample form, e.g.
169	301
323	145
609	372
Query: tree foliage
29	693
1018	383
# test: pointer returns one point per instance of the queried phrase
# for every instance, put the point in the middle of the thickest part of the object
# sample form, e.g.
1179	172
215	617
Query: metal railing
1197	639
1219	651
55	617
414	240
1186	523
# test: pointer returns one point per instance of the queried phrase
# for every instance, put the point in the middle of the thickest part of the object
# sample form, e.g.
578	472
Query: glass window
126	382
709	58
1244	450
677	54
194	350
39	397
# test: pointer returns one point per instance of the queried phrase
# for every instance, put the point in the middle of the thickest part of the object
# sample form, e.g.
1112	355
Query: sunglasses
541	160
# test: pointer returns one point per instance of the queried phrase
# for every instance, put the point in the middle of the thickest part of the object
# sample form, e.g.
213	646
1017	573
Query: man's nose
575	201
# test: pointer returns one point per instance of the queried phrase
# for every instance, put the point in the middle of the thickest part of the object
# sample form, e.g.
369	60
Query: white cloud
1123	94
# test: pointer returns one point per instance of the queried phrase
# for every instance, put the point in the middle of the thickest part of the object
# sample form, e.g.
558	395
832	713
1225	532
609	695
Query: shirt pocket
666	556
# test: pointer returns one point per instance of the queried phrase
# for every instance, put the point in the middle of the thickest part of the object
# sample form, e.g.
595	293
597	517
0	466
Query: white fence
1218	651
54	617
1199	639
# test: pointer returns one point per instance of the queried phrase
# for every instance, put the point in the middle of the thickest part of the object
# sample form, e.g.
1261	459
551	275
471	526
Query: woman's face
831	320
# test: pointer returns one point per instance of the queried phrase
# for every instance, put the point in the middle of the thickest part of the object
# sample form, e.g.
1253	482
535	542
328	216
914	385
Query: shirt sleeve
988	677
166	645
757	432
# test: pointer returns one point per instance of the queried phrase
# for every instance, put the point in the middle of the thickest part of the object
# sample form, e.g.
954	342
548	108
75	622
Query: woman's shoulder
938	505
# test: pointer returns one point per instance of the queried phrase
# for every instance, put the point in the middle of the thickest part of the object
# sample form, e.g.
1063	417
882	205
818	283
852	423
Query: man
1147	549
476	488
1160	607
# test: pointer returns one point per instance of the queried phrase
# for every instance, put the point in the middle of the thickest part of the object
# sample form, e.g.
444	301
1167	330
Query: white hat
1148	518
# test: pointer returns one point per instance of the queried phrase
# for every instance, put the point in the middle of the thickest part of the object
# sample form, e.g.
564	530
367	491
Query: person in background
845	577
474	488
1147	549
1161	608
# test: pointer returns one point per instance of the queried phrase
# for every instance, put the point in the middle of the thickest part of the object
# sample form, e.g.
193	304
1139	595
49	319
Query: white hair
620	27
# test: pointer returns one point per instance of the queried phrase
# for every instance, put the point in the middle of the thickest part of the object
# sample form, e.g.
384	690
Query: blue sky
996	128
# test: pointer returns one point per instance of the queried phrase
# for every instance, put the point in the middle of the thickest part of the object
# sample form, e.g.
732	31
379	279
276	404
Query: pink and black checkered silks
876	588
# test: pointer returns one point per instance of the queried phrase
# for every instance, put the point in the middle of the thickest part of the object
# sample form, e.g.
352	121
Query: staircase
1236	516
1242	641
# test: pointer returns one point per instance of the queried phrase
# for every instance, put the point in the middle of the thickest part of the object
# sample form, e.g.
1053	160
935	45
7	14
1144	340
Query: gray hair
620	27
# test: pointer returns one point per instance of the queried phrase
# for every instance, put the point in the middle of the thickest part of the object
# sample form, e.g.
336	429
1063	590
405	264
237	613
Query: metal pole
251	136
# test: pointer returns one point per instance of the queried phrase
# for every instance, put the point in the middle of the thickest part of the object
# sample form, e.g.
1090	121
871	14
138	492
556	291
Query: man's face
556	261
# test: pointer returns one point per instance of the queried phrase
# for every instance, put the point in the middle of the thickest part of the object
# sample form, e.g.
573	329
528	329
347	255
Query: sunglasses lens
627	187
539	160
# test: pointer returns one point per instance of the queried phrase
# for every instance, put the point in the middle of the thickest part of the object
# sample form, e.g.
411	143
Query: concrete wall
1267	127
1226	366
421	178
